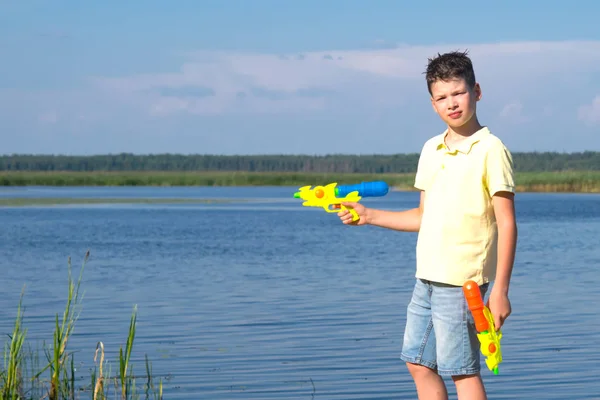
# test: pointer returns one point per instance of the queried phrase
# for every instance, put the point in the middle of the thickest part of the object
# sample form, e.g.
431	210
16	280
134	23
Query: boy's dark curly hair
450	66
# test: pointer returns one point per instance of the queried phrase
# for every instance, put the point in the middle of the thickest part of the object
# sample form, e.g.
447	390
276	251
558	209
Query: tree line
396	163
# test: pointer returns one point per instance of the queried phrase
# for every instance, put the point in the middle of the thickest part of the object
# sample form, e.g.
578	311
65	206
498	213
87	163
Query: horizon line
125	153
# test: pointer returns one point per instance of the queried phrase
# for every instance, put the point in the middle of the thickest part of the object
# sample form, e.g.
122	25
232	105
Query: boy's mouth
455	114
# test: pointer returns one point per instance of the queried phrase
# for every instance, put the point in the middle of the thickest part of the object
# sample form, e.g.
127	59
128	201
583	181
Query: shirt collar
464	146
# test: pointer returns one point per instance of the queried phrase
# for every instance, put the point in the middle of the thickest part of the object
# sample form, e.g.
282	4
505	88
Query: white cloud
367	100
269	83
590	113
513	112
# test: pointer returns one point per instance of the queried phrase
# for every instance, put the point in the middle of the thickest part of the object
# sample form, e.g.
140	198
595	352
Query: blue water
265	299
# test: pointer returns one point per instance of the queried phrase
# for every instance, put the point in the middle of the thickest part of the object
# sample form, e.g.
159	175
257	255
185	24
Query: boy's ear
433	105
477	90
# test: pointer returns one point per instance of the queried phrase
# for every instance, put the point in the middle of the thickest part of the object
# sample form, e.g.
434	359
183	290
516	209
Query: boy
466	230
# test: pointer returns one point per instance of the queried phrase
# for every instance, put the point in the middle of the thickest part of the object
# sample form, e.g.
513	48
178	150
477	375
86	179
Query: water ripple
258	302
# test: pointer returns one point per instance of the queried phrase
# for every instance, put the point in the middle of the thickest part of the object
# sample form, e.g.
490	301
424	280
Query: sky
278	77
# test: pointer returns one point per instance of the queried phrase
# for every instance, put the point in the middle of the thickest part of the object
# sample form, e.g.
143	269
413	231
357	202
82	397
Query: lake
262	298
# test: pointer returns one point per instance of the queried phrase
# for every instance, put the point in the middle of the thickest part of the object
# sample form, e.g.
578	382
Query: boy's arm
504	208
499	304
501	185
407	221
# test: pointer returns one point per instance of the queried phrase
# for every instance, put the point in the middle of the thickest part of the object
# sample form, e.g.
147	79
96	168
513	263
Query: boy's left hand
499	306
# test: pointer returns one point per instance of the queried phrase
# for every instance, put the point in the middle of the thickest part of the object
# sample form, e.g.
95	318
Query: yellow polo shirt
457	239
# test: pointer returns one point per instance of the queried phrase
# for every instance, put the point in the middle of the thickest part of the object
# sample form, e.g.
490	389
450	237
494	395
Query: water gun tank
364	189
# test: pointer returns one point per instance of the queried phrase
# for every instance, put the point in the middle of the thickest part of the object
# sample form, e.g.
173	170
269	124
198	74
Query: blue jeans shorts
440	332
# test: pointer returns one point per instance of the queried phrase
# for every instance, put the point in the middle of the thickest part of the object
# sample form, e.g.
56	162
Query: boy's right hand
346	216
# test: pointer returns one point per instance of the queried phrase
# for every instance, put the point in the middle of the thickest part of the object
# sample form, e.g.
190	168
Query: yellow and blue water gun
333	195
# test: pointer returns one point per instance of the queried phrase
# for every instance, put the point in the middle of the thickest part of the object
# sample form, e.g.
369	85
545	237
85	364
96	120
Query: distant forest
398	163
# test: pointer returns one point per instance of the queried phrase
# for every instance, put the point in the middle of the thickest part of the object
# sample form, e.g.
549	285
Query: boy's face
454	101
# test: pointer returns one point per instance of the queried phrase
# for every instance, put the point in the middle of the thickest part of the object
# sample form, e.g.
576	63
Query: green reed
124	359
17	384
555	181
188	178
564	181
61	384
11	376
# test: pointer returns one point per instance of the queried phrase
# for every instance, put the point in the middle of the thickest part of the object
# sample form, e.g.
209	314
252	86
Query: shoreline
537	182
66	201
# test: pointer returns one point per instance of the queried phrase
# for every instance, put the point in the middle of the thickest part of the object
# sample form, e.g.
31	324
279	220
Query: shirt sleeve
499	170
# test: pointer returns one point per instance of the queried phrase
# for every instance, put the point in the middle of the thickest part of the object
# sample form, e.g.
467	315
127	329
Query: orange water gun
488	337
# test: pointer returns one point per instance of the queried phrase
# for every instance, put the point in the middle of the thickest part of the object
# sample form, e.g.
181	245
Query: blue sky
277	77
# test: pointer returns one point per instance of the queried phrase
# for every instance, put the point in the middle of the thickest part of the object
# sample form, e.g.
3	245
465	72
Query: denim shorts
440	332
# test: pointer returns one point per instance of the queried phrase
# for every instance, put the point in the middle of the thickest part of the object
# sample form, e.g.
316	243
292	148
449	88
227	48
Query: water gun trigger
336	207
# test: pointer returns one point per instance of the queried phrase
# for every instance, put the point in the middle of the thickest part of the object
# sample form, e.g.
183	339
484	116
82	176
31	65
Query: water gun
333	195
488	337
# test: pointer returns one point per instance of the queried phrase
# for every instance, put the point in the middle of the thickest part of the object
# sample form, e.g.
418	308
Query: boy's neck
463	132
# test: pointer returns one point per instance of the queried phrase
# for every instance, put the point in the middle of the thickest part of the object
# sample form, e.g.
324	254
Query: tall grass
556	181
564	181
184	178
11	378
56	380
